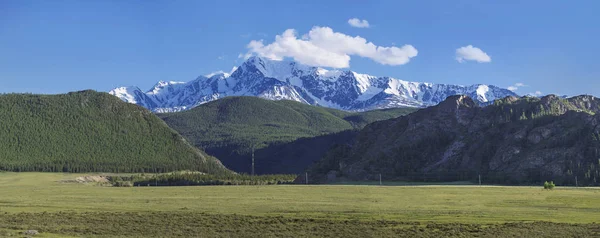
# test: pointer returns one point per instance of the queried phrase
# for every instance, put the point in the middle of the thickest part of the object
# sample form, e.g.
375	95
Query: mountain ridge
278	80
523	140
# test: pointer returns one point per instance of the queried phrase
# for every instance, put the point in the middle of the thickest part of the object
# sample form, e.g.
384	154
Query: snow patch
126	94
482	91
363	81
331	75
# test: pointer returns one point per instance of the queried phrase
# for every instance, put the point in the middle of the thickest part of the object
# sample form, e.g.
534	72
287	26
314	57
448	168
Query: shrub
123	184
549	185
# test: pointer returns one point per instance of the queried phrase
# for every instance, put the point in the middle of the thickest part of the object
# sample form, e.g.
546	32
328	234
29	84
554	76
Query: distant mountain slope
89	131
515	140
228	128
296	156
279	80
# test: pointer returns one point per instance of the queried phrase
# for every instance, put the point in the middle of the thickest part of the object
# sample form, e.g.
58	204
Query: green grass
19	233
401	183
39	200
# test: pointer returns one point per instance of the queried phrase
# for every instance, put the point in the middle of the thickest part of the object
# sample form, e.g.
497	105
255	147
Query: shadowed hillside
228	129
514	141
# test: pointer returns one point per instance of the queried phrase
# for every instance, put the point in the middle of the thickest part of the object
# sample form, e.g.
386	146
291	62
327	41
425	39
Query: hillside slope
228	128
515	141
89	131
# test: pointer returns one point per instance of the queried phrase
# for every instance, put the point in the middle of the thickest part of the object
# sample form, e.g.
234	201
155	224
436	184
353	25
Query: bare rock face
513	141
539	134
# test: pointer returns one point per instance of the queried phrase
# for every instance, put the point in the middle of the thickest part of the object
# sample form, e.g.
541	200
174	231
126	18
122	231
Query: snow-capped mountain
278	80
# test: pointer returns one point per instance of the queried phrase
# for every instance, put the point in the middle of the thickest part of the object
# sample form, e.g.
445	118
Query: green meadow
56	206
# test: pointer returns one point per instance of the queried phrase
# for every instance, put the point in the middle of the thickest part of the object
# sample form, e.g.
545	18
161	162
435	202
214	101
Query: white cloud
221	57
324	47
536	94
244	56
472	53
516	86
355	22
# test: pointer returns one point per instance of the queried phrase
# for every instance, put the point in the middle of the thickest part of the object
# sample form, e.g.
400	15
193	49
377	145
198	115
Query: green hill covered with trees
89	131
228	128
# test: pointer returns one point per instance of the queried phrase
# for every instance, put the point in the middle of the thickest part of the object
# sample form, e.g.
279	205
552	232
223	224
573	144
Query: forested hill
228	128
514	141
88	131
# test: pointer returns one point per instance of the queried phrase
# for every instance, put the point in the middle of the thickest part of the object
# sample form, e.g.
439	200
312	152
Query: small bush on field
123	184
549	185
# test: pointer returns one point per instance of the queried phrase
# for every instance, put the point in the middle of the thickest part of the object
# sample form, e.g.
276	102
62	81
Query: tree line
188	178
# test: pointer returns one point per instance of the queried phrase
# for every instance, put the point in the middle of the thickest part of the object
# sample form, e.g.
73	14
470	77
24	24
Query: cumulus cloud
321	46
516	86
355	22
537	93
472	53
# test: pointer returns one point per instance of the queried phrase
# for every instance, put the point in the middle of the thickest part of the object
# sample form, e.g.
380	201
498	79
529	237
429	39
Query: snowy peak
277	69
126	94
288	80
134	95
218	74
330	75
161	85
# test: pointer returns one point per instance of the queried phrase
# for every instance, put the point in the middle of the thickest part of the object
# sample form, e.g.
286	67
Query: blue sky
60	46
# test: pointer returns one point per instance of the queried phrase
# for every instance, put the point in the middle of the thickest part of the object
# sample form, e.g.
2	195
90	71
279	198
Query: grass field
40	201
